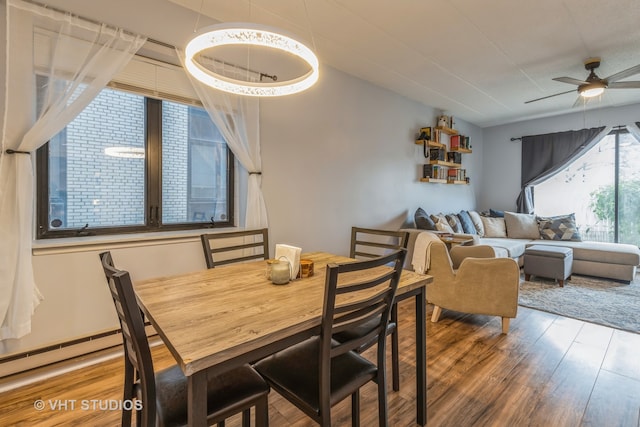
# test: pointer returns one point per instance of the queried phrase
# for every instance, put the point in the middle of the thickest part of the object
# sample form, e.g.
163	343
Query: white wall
343	154
501	165
338	155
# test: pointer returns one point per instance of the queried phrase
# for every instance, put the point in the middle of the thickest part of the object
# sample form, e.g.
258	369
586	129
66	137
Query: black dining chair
163	395
368	243
231	247
318	373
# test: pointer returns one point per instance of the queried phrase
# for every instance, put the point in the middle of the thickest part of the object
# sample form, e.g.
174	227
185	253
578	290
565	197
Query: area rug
599	301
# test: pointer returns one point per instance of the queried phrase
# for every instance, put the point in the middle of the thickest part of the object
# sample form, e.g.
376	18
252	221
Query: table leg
197	399
421	357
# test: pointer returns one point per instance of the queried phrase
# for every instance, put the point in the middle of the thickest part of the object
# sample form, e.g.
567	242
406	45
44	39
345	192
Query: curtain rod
218	61
613	128
149	39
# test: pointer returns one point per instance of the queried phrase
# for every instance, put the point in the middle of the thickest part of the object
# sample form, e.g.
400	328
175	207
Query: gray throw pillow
561	227
423	220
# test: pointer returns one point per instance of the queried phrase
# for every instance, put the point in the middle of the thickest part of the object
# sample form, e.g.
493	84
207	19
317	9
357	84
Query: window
603	189
128	163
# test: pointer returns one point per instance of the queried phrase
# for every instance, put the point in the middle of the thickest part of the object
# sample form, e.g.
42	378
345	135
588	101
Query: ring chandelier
251	35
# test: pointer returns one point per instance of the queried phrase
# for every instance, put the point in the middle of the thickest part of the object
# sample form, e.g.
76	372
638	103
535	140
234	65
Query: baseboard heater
44	356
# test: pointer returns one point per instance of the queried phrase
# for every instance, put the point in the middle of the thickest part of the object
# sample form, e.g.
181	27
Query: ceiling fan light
252	35
591	90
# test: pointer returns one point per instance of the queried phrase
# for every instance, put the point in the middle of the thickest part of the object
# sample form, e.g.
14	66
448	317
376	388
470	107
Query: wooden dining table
217	319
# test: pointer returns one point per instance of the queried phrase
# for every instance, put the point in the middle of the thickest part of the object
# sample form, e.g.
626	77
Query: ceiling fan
593	85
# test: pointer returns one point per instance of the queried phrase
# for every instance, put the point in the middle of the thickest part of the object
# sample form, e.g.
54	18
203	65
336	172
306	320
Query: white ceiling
476	60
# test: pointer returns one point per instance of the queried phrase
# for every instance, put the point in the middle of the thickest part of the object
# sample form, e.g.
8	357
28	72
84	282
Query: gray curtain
545	155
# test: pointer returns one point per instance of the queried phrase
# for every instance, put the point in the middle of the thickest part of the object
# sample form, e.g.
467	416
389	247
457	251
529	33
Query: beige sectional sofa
615	261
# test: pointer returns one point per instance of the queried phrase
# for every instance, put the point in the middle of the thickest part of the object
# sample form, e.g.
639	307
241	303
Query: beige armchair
482	284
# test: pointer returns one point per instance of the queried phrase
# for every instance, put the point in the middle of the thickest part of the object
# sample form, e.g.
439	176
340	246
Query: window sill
95	243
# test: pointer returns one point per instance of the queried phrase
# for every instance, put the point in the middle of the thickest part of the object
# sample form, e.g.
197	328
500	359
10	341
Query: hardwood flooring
548	371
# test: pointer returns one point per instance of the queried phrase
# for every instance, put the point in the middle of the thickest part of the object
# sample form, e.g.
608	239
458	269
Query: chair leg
246	418
221	423
355	409
505	325
395	358
435	316
382	401
262	412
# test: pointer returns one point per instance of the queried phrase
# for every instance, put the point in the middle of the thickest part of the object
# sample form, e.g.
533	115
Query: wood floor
548	371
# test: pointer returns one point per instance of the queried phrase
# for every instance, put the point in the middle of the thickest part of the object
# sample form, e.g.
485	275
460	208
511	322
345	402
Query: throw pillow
441	223
494	227
561	227
444	226
467	223
521	226
496	214
454	222
477	222
423	220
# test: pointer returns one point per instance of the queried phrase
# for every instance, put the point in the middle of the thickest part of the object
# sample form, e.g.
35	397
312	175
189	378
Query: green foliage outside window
603	206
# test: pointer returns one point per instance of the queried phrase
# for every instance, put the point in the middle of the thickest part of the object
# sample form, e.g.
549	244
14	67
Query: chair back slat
371	242
235	246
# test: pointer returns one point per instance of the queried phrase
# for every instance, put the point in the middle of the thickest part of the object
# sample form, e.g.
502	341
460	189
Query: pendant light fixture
249	34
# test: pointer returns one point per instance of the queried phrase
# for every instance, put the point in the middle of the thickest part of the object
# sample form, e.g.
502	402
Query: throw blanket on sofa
422	252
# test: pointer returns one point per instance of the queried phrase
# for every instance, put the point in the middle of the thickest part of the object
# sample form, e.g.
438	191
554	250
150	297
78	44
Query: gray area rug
599	301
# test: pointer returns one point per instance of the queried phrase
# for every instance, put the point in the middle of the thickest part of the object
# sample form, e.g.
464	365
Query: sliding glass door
602	188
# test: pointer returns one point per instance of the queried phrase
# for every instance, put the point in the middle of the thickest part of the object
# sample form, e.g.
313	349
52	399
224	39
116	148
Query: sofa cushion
521	226
423	220
494	227
514	247
496	213
454	222
562	227
467	223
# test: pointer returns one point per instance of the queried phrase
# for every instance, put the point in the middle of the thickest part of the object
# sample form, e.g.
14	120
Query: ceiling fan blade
550	96
570	80
623	74
624	85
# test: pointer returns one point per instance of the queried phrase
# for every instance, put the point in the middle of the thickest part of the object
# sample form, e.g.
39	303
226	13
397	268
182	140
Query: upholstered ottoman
553	262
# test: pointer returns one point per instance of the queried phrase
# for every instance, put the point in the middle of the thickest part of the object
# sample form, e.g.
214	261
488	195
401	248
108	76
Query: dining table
217	319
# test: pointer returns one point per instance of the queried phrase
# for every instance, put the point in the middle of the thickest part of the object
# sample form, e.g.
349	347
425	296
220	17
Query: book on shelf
434	172
456	175
454	142
436	135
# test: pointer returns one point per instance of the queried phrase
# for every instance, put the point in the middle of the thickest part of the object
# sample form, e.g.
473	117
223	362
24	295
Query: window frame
153	188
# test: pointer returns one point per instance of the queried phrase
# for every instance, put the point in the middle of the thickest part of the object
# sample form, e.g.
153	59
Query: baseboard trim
44	356
25	378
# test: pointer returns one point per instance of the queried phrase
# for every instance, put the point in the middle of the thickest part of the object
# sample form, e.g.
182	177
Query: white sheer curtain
77	59
238	119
